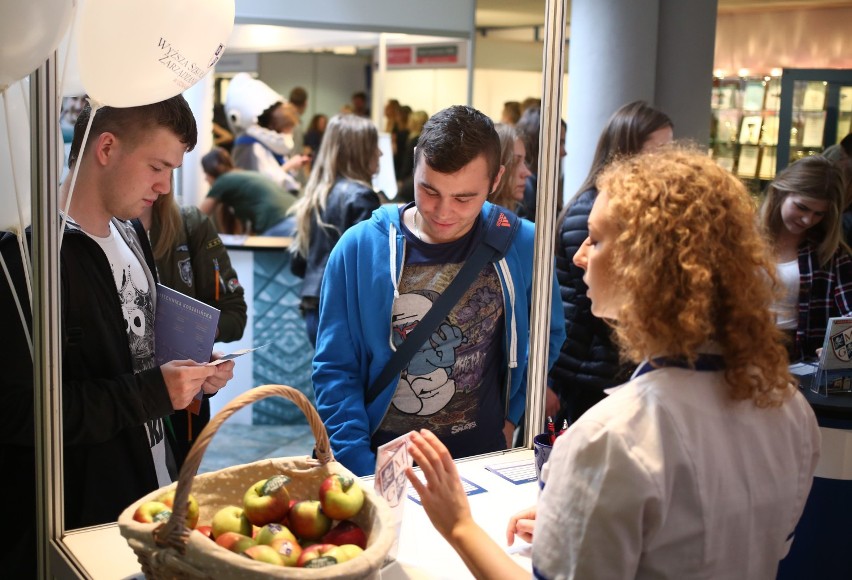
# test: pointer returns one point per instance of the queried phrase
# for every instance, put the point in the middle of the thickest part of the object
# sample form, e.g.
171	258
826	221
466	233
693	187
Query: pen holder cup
541	451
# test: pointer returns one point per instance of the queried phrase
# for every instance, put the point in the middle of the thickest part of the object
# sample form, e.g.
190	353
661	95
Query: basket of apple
290	517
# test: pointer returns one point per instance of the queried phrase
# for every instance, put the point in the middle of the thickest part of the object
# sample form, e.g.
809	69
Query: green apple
168	498
346	532
289	550
230	519
235	542
271	532
308	521
316	556
263	553
344	553
341	496
152	512
267	500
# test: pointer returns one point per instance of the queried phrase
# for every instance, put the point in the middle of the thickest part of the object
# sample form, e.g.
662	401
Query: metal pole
47	354
548	176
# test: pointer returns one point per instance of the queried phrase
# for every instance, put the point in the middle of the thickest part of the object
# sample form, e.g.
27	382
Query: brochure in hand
184	328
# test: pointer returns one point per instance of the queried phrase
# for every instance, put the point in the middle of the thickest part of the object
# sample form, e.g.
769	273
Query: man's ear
496	183
105	147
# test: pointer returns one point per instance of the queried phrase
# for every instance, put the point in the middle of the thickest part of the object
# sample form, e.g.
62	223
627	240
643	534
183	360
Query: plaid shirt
823	293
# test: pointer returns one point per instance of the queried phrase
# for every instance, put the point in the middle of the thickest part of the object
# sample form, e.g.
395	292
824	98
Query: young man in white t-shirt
116	400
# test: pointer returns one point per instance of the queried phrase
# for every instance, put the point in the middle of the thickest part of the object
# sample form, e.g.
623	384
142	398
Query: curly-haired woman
699	466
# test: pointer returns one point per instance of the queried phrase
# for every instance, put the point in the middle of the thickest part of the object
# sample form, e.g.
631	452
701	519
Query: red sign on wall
426	55
399	55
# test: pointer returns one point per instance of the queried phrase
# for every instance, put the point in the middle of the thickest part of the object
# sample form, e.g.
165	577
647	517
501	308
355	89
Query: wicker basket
171	550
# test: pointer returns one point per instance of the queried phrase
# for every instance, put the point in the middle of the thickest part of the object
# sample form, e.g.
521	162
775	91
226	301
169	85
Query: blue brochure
184	328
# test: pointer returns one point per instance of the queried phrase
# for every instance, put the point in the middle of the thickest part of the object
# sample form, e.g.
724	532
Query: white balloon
136	52
30	30
15	156
68	66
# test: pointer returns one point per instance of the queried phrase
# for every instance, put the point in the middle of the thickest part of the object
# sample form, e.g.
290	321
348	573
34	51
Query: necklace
416	227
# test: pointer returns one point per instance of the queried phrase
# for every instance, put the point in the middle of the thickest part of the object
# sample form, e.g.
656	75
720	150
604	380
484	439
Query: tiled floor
235	444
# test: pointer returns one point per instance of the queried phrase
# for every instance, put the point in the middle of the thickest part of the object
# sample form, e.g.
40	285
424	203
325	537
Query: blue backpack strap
501	226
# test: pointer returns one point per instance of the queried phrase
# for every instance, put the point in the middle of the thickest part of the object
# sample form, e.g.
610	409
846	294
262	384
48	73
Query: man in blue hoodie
467	382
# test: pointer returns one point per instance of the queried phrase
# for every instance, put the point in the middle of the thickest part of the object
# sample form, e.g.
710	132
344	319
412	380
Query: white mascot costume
257	148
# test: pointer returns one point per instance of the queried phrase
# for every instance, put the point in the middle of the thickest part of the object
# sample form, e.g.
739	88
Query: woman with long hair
588	362
801	216
338	195
700	465
191	259
510	191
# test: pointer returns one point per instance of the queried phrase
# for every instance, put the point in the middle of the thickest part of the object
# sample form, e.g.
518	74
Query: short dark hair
454	137
298	97
216	162
265	118
128	122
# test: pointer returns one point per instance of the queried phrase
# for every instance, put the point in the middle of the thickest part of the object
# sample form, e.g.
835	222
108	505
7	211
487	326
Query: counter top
498	486
255	242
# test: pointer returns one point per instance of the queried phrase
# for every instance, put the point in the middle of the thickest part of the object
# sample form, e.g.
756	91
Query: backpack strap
500	230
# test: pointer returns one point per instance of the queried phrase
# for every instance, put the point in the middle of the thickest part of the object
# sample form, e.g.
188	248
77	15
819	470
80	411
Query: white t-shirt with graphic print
137	305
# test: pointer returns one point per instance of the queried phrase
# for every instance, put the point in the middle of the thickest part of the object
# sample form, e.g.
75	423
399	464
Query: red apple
235	542
289	550
267	500
341	496
152	512
263	553
346	532
315	556
205	530
230	519
168	498
271	532
285	521
344	553
308	521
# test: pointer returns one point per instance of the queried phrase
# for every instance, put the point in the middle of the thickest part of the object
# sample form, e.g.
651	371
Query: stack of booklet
832	373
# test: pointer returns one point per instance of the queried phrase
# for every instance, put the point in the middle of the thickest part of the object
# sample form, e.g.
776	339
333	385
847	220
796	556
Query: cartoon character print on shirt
427	385
139	320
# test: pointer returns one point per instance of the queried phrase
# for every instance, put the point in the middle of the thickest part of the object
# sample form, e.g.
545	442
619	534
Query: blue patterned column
287	360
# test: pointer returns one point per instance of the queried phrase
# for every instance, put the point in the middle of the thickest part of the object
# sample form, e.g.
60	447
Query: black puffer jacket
588	361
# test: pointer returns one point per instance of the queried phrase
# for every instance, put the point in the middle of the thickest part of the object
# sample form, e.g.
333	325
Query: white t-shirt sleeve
598	506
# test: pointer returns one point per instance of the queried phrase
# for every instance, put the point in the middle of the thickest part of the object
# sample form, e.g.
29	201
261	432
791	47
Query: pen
216	271
551	428
564	427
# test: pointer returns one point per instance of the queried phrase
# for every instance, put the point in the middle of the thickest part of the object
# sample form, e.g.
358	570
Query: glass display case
759	125
744	130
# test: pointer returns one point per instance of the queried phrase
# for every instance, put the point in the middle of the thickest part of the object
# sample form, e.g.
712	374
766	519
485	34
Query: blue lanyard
704	362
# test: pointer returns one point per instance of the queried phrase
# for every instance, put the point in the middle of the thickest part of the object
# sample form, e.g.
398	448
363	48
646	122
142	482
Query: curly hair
685	282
